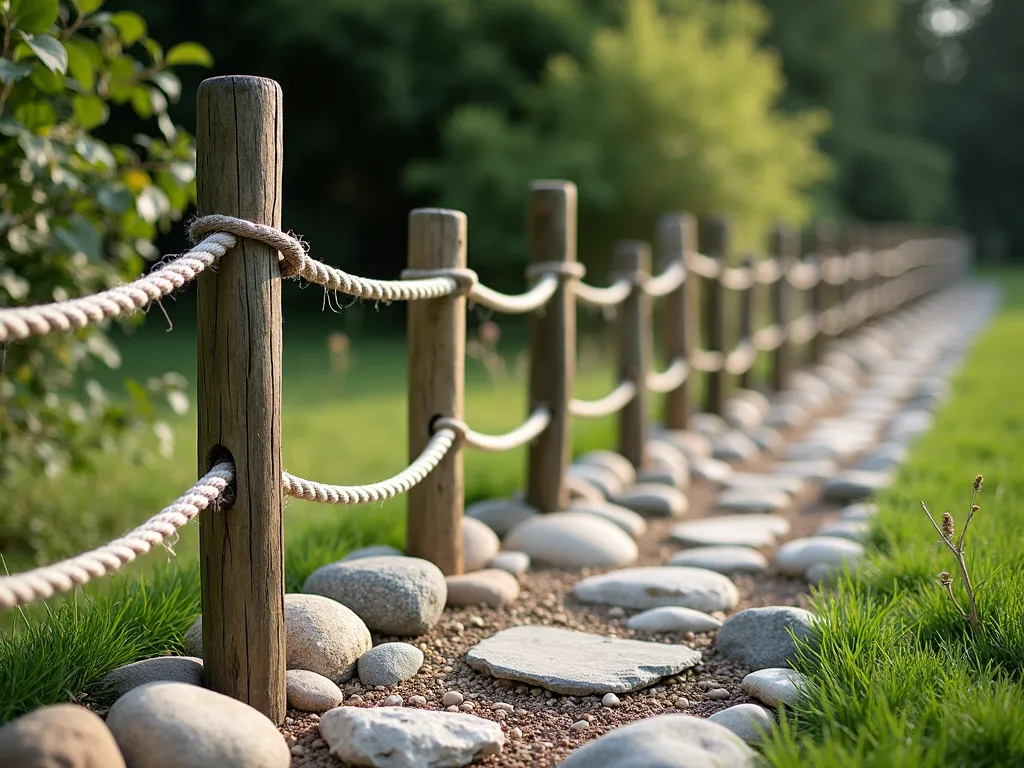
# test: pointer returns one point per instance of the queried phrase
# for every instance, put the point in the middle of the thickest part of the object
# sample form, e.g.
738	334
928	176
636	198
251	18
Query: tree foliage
78	215
673	111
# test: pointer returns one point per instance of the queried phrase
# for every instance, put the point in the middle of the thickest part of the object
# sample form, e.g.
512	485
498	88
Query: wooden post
824	245
746	329
238	173
714	314
633	259
784	248
551	229
437	364
677	235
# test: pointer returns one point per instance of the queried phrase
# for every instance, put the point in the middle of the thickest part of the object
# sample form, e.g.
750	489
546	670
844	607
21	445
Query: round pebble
452	699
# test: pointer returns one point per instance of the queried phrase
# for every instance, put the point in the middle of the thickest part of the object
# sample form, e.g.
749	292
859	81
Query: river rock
796	556
722	559
309	692
734	447
748	721
732	530
399	596
550	657
859	511
665	741
855	484
653	500
511	561
665	455
758	399
709	424
182	669
787	416
479	544
788	484
694	445
767	439
743	414
615	463
59	736
599	476
500	515
711	470
812	471
752	500
760	637
388	664
672	618
403	737
657	586
771	686
664	475
573	540
885	457
169	725
580	489
628	520
854	530
321	635
491	587
376	550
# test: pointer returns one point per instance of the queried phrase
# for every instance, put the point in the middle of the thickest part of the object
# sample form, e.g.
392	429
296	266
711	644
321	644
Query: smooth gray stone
309	692
885	457
763	637
743	414
628	520
480	544
767	440
788	484
756	530
796	556
653	500
859	511
550	657
672	618
752	500
771	686
709	424
573	540
656	586
492	587
734	447
722	559
500	515
813	471
511	561
854	530
389	664
375	551
711	470
855	485
599	476
693	445
59	736
181	669
787	416
615	463
748	721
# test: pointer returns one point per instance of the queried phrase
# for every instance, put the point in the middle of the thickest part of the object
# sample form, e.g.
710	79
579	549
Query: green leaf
90	111
129	25
81	236
154	49
46	81
36	115
189	53
34	16
141	102
80	64
11	72
49	51
87	6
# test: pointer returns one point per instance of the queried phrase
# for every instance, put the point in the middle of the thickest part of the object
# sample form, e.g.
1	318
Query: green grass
896	676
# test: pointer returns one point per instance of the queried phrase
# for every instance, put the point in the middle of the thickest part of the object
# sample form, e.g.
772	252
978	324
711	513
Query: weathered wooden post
824	246
238	173
677	236
437	364
551	230
785	249
633	260
746	326
714	314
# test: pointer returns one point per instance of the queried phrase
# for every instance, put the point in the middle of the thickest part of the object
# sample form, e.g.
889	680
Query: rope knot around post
566	270
465	279
291	251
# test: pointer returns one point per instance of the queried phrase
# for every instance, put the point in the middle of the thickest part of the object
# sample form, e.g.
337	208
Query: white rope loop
669	380
64	576
609	296
741	359
669	280
525	433
704	266
18	323
803	329
738	278
707	361
516	304
768	271
436	449
770	338
803	275
611	403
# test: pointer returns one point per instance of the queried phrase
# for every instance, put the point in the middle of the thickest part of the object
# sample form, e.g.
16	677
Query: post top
441	213
238	81
551	185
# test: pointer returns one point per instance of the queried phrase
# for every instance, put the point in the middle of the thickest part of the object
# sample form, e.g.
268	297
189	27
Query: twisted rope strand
767	339
516	304
705	266
768	271
436	449
738	278
803	275
669	280
64	576
23	322
525	433
611	403
670	379
741	359
803	329
610	296
707	361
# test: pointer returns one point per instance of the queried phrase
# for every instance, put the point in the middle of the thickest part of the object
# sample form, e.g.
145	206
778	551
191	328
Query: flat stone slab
815	470
787	483
770	686
665	741
722	559
577	663
672	618
653	500
854	530
855	485
657	586
573	540
740	530
796	556
712	470
752	500
764	637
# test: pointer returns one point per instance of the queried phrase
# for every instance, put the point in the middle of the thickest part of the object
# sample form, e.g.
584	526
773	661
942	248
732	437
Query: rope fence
242	251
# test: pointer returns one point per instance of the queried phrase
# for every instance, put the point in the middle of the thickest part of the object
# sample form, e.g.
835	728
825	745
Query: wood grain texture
551	231
238	173
746	324
633	258
714	314
437	361
784	247
677	236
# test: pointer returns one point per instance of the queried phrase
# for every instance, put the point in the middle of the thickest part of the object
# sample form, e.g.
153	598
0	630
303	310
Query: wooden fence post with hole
633	260
238	173
746	329
437	363
551	229
714	314
784	248
677	235
823	241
